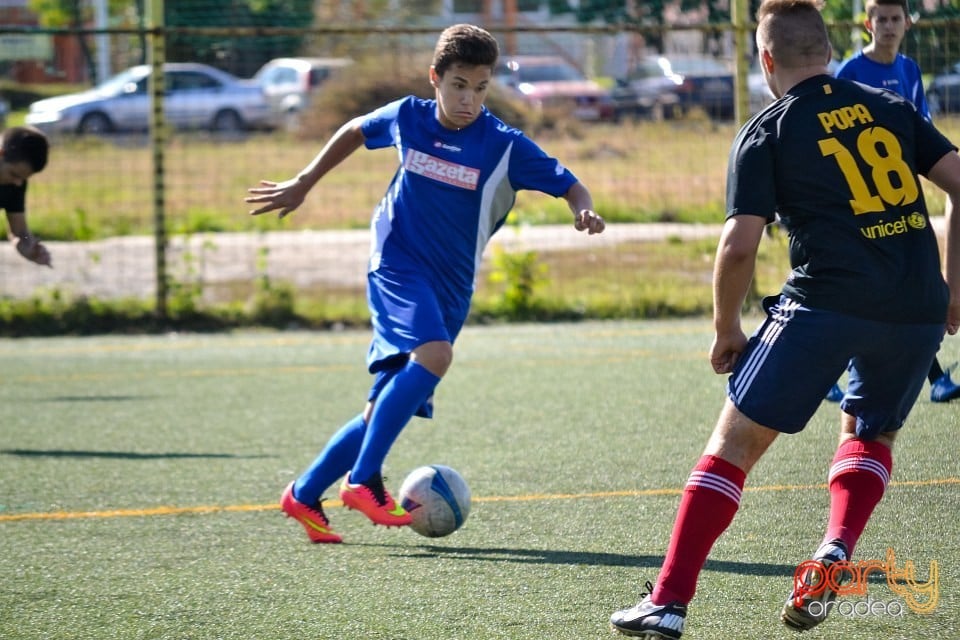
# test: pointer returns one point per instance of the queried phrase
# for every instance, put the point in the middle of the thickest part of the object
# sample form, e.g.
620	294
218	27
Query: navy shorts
407	311
798	353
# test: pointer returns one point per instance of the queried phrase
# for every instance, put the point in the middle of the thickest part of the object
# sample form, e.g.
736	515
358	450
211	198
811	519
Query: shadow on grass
589	558
114	398
119	455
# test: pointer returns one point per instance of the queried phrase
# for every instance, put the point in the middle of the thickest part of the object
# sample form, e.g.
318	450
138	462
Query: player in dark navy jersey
23	153
839	163
803	158
460	169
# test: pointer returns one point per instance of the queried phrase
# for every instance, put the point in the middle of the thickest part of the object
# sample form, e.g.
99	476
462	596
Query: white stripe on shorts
766	341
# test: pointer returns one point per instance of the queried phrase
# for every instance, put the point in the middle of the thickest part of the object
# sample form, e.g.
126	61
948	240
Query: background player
23	152
880	63
460	170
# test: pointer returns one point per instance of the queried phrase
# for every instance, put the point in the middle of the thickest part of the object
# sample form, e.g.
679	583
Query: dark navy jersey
452	191
13	197
837	161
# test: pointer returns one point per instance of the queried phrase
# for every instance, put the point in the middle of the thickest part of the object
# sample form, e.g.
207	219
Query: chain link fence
159	212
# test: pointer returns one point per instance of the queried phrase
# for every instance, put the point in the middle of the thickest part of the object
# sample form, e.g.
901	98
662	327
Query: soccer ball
437	498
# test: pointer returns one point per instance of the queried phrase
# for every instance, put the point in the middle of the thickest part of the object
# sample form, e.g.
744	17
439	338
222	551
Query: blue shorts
798	353
406	311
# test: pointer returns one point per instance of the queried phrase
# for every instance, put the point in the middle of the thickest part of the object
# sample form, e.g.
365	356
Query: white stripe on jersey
497	198
755	360
381	225
716	482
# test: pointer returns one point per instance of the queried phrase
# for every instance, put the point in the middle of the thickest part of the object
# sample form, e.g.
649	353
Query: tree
60	14
241	55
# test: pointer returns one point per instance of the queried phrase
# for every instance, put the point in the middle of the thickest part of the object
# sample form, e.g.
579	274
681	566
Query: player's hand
726	350
34	251
283	196
953	316
589	221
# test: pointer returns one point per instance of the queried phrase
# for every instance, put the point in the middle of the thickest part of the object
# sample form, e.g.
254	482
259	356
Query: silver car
290	83
196	96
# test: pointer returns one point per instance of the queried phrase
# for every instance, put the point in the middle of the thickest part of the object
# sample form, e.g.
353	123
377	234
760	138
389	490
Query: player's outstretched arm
581	204
284	197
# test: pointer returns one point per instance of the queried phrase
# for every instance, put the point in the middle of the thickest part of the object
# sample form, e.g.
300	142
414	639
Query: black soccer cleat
813	591
648	620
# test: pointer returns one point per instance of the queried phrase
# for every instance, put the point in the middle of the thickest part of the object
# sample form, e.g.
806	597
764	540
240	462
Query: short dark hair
25	144
870	5
465	44
793	32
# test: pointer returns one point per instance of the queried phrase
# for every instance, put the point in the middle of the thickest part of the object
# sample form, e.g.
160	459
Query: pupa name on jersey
429	166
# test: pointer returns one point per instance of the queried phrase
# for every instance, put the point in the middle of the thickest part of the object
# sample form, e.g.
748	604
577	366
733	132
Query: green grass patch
139	480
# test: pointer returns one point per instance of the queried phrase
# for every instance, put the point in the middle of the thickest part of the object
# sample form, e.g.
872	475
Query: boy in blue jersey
880	64
460	170
838	162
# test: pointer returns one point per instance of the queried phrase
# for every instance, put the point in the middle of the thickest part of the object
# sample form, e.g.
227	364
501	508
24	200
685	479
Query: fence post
158	143
743	53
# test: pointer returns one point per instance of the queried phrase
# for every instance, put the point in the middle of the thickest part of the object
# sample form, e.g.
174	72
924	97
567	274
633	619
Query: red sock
858	478
709	502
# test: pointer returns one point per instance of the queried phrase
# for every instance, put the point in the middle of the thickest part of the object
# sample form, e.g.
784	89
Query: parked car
943	92
290	83
672	85
550	82
196	96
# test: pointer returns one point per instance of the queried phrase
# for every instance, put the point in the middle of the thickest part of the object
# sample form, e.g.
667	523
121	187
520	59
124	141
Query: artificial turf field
139	480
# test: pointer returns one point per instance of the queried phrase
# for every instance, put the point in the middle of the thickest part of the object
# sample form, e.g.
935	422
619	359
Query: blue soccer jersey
452	191
902	76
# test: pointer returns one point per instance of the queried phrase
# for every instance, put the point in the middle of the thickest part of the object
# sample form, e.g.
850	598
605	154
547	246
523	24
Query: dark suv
672	85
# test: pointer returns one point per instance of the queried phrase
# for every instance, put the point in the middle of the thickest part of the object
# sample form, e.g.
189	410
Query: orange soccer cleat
373	500
312	518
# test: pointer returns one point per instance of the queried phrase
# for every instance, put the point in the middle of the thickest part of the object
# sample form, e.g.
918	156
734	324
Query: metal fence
186	189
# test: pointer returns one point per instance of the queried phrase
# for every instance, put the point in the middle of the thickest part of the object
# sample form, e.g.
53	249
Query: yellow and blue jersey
838	162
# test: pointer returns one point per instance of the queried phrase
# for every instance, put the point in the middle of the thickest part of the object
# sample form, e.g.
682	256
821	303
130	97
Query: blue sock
396	404
334	461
